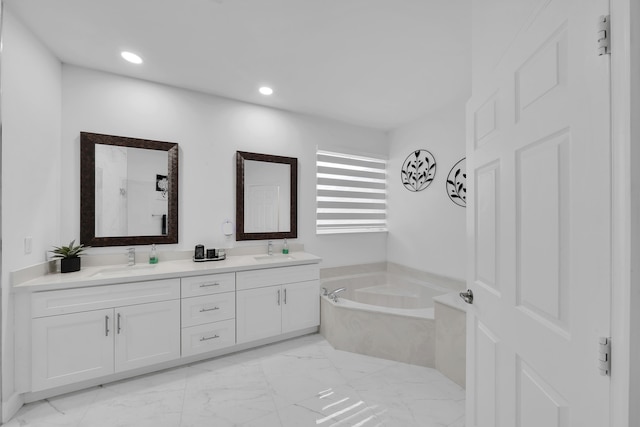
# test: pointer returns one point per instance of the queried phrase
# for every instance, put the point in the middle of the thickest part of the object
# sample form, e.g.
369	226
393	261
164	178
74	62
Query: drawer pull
106	326
208	285
285	295
202	310
278	296
209	338
119	328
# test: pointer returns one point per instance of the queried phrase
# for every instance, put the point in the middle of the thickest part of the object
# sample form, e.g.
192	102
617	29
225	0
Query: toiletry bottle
153	255
285	247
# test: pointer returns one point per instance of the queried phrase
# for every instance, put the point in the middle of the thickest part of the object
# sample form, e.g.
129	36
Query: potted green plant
69	256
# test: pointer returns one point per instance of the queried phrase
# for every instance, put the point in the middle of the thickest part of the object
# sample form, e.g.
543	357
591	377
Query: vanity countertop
114	274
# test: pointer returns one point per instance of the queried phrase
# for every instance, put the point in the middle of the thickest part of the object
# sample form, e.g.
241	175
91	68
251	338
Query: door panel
542	221
486	374
487	196
538	404
485	121
543	76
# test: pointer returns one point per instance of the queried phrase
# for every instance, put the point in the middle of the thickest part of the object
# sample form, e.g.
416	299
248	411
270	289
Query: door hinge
604	356
604	35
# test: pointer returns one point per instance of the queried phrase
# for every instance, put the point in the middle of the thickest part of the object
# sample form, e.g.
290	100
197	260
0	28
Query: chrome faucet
270	248
131	256
333	295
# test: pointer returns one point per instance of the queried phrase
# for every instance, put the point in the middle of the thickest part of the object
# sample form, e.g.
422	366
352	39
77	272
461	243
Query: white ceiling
376	63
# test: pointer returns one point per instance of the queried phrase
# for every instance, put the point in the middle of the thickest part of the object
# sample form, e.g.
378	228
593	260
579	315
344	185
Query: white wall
209	131
426	229
31	186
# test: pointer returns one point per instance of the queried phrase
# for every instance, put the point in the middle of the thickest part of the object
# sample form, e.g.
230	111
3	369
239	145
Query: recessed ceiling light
131	57
265	90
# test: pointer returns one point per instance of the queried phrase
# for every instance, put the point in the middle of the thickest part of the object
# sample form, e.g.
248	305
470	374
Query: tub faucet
131	256
270	248
333	295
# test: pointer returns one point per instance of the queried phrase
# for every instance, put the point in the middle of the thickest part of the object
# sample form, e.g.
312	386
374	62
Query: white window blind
351	193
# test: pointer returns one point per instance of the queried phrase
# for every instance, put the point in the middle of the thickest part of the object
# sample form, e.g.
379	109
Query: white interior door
262	210
539	216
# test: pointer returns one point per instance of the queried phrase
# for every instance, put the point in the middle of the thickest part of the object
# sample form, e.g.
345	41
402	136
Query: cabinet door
258	313
71	348
301	306
147	334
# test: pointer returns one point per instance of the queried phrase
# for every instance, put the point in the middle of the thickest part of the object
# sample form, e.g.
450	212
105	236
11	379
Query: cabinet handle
285	295
119	324
209	338
278	296
106	326
207	285
202	310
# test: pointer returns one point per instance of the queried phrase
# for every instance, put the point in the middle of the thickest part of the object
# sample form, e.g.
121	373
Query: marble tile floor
295	383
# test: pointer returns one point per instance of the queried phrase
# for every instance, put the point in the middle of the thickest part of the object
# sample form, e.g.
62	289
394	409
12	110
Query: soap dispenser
153	255
285	247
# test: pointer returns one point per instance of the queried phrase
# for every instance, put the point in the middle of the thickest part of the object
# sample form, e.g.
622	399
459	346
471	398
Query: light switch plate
28	243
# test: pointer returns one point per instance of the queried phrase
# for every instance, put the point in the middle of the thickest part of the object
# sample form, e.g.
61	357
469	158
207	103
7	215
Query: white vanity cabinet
208	313
91	328
276	301
84	333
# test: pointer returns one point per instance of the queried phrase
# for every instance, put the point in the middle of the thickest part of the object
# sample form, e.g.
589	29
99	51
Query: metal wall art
457	183
418	170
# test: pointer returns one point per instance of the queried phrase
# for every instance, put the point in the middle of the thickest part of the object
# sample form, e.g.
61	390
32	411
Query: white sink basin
274	257
125	270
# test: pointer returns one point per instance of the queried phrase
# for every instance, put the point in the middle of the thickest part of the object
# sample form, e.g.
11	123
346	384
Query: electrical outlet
28	243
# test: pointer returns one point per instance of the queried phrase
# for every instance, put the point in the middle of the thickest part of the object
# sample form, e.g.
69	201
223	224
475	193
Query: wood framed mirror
128	191
266	196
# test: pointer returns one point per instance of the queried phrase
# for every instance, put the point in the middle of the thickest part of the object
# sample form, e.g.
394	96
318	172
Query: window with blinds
351	193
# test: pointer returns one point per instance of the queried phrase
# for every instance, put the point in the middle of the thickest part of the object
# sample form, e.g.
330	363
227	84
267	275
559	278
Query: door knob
467	296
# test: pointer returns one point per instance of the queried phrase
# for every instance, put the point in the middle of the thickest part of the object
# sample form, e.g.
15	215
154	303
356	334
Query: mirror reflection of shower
130	198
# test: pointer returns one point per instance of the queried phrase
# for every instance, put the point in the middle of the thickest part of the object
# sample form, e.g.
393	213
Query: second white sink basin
273	257
124	270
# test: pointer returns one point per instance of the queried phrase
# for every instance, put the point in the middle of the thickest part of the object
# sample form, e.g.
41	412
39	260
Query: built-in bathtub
387	311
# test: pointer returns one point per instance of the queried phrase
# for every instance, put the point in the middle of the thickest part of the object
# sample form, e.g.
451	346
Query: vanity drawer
51	303
209	284
276	276
208	337
208	308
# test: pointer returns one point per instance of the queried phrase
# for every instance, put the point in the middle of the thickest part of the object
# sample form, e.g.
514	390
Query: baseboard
11	406
183	361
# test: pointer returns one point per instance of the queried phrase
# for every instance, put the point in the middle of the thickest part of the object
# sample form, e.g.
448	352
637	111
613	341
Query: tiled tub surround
451	337
106	323
387	311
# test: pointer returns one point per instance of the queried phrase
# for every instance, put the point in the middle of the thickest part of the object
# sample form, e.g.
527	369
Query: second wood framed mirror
266	196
